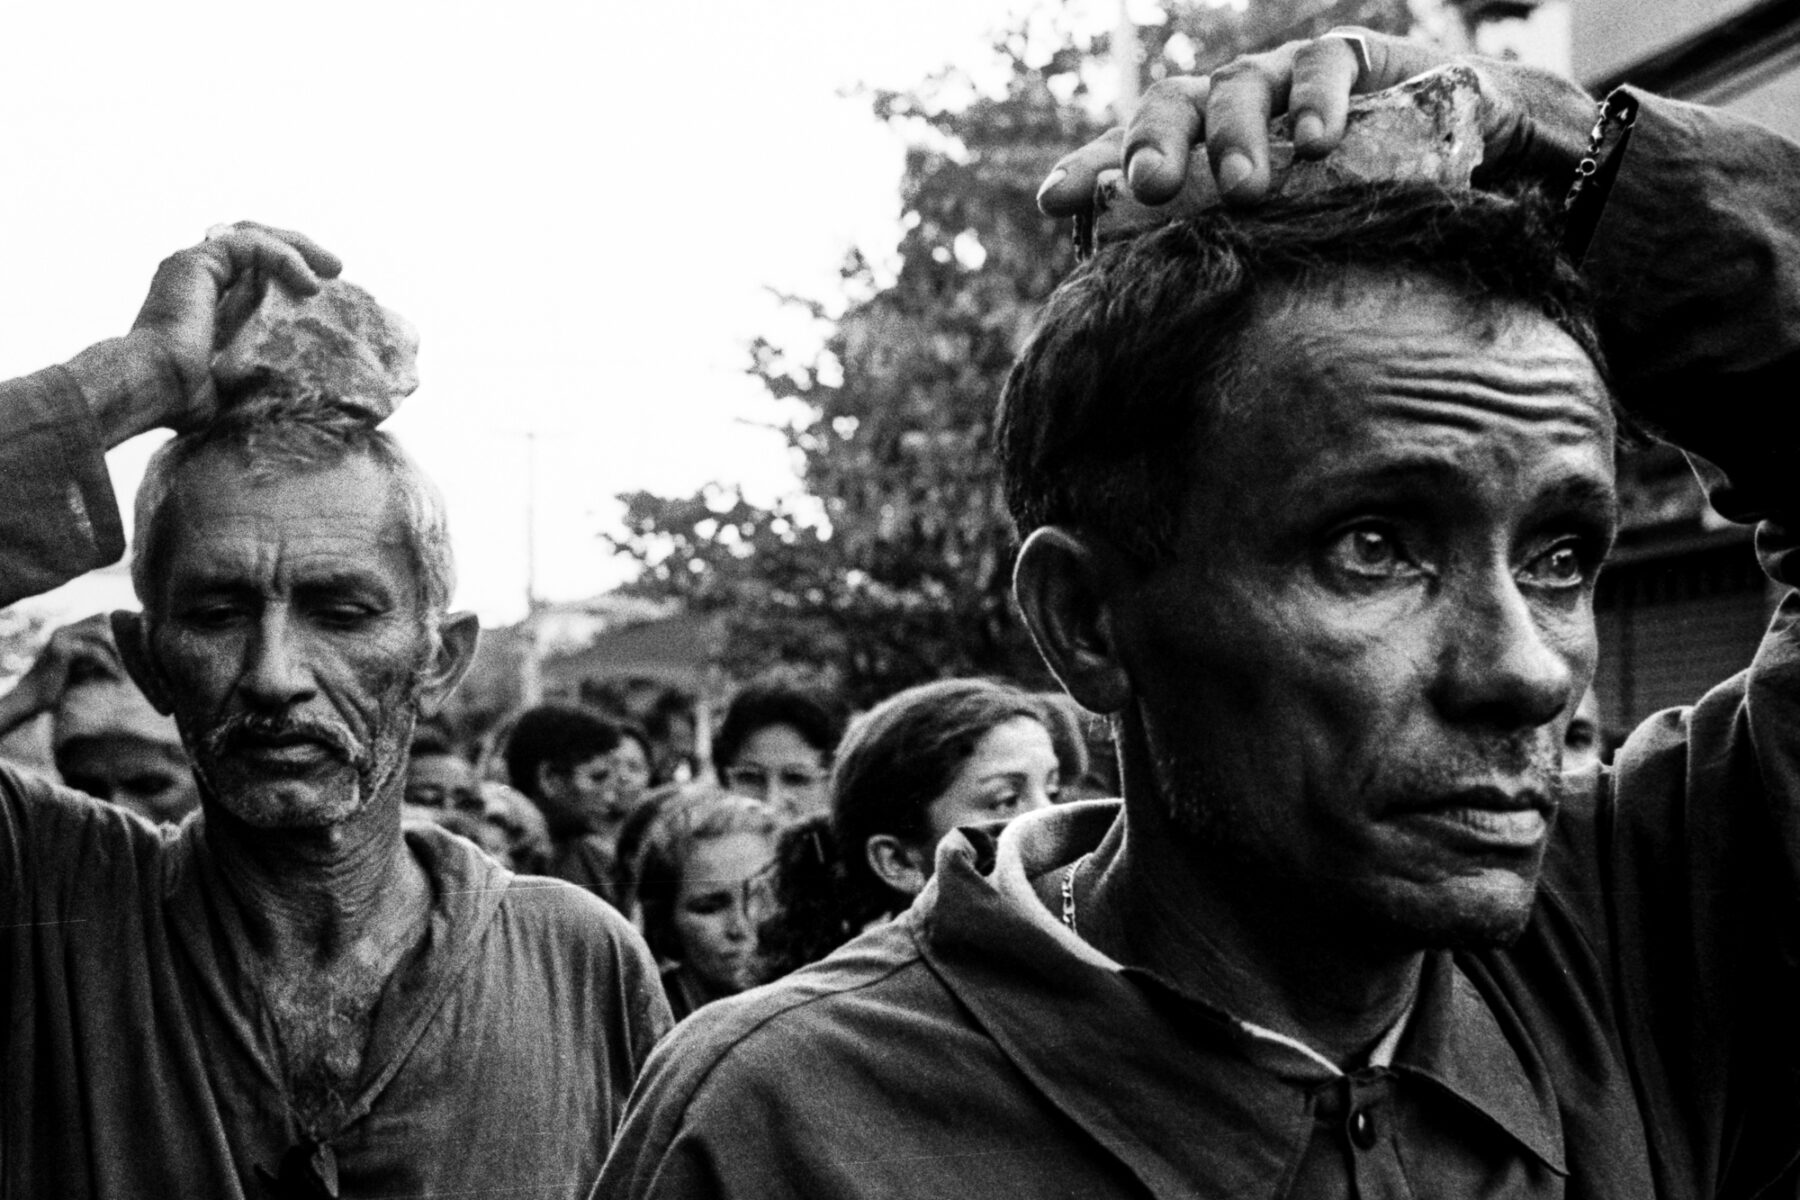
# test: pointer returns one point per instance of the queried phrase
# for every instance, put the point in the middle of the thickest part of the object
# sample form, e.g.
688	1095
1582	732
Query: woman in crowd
920	764
702	889
632	770
775	743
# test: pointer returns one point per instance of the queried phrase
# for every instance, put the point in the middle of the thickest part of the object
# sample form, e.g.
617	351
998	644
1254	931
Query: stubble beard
1207	811
327	796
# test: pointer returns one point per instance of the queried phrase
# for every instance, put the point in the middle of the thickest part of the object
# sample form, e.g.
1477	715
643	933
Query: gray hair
275	434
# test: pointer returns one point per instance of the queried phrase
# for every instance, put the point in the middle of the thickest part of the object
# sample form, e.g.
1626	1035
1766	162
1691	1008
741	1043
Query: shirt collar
1108	1045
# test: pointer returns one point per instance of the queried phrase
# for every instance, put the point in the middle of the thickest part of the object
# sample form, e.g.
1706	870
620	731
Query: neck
311	895
1153	897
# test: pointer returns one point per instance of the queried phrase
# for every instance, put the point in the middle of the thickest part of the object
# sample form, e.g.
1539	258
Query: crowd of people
802	830
1331	900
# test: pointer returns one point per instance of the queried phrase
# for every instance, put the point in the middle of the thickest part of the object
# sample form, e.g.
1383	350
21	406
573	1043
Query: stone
337	346
1427	129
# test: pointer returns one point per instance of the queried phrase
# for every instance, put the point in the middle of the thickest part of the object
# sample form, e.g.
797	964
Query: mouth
283	751
1485	819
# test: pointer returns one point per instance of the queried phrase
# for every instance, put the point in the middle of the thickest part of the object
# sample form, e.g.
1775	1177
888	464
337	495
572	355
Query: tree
895	566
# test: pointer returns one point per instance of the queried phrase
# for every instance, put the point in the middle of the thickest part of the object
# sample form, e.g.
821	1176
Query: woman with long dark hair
910	770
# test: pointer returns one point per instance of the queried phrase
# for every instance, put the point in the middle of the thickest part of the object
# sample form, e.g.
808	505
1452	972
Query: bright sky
579	206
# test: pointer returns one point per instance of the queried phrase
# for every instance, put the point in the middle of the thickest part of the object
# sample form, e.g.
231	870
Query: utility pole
531	676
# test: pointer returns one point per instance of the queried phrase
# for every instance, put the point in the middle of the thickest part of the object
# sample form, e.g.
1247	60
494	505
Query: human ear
132	636
896	863
1066	583
458	634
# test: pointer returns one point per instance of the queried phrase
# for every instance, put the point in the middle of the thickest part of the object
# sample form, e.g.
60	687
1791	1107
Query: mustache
237	730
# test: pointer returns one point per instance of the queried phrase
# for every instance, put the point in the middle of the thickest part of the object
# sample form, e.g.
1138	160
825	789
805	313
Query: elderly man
286	996
1316	495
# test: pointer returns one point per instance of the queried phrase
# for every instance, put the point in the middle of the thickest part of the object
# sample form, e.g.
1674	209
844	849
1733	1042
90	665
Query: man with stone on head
1315	496
286	996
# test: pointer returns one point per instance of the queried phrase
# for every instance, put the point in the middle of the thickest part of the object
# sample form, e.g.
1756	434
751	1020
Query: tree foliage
894	567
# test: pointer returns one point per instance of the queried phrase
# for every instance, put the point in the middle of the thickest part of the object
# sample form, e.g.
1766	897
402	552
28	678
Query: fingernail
1143	164
1308	128
1234	169
1055	177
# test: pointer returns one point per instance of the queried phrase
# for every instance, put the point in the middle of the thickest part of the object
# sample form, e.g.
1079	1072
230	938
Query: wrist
129	385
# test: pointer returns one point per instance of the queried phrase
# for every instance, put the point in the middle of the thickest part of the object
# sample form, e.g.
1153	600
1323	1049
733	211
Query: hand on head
181	324
1533	122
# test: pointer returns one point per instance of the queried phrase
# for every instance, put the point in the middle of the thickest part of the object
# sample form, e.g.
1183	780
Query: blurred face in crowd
289	638
781	768
1013	770
1352	679
1581	742
631	772
582	799
723	898
152	779
445	782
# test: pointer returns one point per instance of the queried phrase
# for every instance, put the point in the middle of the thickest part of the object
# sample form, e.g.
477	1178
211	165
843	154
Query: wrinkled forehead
1369	356
223	514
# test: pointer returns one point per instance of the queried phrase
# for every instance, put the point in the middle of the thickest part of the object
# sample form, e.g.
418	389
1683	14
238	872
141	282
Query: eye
1369	552
209	616
1564	565
344	616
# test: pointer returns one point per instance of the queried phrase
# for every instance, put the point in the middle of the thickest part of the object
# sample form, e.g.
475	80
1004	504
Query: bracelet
1618	113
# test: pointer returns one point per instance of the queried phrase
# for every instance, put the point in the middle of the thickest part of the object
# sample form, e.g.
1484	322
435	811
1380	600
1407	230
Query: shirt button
1362	1129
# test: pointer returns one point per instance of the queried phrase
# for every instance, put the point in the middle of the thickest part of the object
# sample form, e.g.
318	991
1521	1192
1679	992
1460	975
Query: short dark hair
1141	350
559	736
810	710
899	757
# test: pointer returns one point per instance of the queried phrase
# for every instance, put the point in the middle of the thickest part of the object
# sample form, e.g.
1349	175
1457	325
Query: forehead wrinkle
267	548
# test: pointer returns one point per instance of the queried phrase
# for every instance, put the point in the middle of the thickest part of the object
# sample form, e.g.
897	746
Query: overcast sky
579	205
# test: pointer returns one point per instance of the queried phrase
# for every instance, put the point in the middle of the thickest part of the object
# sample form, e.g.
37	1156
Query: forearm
129	387
58	517
1696	271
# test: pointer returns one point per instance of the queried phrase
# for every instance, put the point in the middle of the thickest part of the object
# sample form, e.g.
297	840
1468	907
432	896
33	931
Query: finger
1162	133
244	248
1392	60
1244	93
1069	188
1326	71
284	249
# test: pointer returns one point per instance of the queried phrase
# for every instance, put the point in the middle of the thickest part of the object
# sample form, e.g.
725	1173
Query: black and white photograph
887	599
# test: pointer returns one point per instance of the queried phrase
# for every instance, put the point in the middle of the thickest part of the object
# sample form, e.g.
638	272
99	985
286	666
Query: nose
737	921
275	673
1498	667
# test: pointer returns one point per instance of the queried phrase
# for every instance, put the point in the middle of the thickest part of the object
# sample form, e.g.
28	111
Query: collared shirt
137	1059
1638	1040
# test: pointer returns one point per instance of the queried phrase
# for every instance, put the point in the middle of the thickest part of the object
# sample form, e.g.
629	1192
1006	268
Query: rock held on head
338	347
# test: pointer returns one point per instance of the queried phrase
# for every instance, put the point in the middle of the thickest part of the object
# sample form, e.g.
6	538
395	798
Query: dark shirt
138	1060
1638	1040
588	862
